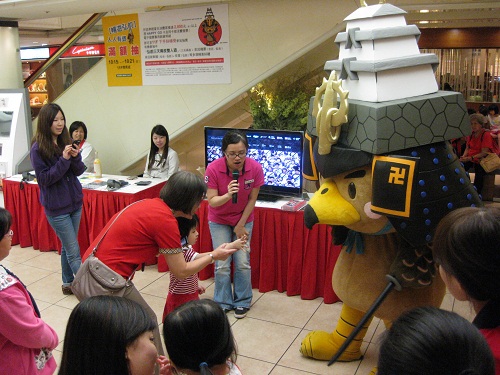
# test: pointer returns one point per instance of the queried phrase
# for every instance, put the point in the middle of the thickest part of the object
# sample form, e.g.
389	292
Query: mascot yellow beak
327	206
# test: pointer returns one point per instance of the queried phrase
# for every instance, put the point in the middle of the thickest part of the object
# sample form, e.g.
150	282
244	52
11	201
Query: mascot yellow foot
323	345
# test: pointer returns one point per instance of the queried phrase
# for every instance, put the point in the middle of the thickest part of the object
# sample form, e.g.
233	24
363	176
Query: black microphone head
236	174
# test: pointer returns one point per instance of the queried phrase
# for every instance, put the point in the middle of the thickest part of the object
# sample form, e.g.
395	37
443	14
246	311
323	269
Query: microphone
236	175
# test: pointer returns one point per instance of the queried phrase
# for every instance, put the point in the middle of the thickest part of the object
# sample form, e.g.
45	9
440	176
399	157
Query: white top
88	155
164	172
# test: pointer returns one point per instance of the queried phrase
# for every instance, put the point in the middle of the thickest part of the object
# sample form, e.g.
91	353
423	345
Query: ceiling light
424	11
423	22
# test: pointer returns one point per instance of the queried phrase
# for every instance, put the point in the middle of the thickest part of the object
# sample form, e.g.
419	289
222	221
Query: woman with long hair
162	161
57	166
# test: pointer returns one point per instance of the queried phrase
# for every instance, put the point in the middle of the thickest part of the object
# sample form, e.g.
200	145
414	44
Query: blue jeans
66	227
242	278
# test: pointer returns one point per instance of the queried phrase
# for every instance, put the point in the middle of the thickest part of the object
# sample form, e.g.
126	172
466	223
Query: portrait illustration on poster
210	30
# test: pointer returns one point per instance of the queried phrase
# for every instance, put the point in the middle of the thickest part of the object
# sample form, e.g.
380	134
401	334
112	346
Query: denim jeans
242	278
66	227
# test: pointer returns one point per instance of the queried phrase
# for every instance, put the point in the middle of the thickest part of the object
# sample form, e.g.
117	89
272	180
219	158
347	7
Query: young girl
181	291
199	340
162	161
467	248
427	340
57	165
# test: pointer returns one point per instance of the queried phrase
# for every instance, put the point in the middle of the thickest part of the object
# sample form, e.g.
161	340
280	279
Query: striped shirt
189	284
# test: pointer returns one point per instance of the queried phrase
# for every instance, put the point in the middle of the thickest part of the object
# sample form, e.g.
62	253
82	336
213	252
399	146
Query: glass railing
47	79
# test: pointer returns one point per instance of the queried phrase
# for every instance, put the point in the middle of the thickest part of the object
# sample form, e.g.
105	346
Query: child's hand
238	244
201	289
164	365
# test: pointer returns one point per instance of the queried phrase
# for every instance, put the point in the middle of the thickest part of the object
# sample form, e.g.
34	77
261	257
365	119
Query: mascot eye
324	191
352	190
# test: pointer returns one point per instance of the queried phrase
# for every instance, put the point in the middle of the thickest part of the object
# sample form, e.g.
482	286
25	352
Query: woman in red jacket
478	145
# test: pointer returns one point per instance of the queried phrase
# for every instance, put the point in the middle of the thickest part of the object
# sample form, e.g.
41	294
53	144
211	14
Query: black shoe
66	289
226	309
240	312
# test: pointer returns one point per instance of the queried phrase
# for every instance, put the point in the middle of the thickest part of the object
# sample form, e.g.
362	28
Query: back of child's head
467	246
198	336
186	225
430	341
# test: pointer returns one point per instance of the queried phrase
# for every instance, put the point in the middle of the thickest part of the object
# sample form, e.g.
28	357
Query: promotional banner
173	47
123	50
186	46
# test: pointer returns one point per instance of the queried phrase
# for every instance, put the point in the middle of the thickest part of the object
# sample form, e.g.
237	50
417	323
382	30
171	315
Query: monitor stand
266	197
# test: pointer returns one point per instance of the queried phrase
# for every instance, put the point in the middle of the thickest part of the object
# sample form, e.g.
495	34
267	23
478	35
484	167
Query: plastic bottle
97	166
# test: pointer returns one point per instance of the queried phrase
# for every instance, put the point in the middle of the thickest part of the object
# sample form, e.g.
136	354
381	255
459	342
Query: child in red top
466	247
181	291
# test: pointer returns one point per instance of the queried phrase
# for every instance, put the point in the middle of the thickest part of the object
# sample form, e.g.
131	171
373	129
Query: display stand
16	132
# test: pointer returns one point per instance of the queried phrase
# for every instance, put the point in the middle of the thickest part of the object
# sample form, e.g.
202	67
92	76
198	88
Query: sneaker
226	309
240	312
66	289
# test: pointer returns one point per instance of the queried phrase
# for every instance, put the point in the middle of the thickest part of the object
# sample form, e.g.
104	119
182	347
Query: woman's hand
69	151
240	231
465	159
232	188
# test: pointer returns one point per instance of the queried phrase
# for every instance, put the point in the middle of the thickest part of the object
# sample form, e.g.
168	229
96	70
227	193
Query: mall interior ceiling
52	21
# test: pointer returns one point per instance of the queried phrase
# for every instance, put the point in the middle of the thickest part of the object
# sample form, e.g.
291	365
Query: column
11	75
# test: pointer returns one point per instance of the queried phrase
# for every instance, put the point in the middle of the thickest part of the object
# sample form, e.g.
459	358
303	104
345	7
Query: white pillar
11	75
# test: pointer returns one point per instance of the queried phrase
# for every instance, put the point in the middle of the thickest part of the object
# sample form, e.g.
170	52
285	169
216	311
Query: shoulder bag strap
107	230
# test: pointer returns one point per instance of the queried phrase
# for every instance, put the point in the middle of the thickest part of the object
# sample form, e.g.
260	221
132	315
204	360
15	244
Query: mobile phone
143	183
75	143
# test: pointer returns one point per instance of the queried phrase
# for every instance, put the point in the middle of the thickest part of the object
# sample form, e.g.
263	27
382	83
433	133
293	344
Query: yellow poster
123	50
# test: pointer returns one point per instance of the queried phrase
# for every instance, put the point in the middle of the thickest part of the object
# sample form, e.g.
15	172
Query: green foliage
281	104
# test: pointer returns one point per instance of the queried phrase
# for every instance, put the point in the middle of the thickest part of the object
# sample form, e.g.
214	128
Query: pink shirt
26	341
217	177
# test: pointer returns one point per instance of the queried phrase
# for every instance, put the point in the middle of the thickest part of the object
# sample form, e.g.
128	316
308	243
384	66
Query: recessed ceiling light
423	21
424	11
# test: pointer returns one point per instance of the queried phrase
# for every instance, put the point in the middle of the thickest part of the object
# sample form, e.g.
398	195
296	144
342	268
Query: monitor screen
5	123
278	151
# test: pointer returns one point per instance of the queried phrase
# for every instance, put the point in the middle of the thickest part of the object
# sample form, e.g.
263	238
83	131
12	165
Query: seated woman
162	161
78	132
26	341
109	335
478	145
430	341
199	340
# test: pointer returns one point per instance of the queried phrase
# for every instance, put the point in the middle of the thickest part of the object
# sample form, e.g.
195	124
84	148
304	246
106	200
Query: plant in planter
282	103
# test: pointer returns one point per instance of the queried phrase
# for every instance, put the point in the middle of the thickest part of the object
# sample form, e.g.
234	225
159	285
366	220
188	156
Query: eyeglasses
10	233
233	155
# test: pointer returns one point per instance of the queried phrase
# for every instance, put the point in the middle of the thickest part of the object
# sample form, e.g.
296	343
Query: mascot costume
378	141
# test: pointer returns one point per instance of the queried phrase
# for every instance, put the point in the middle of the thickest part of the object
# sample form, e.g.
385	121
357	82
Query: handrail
64	47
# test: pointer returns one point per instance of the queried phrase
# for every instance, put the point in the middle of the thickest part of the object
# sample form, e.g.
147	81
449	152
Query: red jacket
488	322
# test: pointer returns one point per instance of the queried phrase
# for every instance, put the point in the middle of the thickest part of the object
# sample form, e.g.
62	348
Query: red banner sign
88	50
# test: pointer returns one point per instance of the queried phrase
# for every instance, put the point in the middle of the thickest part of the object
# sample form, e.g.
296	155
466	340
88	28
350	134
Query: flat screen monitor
5	123
278	151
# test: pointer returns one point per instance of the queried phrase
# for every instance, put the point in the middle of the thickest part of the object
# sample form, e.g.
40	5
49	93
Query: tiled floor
268	338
